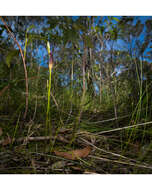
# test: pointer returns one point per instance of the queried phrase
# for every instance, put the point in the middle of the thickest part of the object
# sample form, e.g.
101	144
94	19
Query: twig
54	100
41	138
117	155
121	162
122	128
112	119
25	70
114	154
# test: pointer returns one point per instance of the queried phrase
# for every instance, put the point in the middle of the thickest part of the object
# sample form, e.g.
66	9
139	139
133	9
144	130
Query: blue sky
119	44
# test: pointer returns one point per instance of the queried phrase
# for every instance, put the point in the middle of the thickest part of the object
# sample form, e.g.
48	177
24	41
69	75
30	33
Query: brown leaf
1	131
7	141
74	154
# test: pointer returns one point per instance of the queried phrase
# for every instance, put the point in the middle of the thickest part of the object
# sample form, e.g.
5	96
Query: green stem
48	123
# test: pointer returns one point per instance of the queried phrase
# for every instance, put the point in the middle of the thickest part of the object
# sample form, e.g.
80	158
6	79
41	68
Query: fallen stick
128	160
26	139
121	162
122	128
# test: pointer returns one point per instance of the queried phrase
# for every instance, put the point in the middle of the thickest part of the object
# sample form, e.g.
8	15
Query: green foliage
2	28
116	19
11	54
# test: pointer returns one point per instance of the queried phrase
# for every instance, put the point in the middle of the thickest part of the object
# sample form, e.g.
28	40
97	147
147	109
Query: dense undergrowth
123	151
66	114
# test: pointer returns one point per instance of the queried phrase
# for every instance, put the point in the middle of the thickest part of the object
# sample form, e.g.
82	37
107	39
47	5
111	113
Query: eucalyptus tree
136	37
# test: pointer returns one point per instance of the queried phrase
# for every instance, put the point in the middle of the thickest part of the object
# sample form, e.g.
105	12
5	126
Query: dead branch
41	138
